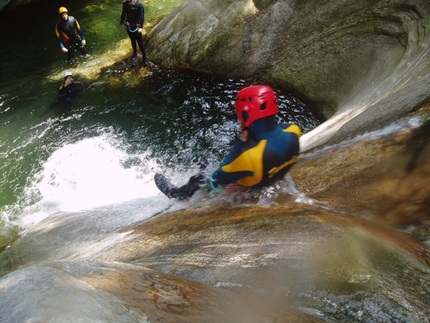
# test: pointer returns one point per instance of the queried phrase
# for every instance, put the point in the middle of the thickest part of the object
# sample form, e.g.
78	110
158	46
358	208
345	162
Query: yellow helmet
62	9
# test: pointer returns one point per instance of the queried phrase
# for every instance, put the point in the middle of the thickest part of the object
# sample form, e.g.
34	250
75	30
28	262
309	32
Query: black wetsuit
188	190
67	94
70	35
133	15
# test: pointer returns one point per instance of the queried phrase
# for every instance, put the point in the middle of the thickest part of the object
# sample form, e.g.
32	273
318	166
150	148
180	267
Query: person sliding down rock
264	153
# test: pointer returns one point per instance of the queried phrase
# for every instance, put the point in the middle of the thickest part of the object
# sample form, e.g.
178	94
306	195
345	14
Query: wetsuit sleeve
78	28
236	150
220	177
123	13
141	16
58	36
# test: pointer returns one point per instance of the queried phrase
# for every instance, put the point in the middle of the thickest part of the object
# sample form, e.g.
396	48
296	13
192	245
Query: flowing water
101	156
126	124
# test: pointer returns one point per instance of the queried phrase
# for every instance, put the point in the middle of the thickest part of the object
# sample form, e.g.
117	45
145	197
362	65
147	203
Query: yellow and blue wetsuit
265	157
70	35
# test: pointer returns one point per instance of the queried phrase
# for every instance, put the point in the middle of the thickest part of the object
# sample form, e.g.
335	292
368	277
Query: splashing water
89	174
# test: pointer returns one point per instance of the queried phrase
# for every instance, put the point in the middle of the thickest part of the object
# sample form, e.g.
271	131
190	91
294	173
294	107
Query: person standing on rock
132	19
70	35
264	153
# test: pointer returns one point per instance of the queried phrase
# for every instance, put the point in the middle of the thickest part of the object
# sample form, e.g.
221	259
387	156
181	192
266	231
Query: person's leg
188	189
133	43
70	52
80	47
181	193
139	40
83	51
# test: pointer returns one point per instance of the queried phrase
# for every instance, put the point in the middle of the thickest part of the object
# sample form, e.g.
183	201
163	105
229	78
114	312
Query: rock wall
354	61
12	4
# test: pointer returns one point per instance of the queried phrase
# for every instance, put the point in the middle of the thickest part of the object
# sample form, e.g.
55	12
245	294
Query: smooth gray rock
348	59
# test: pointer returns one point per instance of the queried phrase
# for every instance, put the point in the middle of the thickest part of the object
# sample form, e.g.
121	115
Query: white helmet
68	74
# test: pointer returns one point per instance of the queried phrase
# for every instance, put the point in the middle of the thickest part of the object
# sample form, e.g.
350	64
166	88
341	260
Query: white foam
89	174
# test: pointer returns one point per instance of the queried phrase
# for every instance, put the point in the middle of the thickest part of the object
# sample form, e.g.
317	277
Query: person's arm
80	31
221	177
66	89
58	36
123	14
141	16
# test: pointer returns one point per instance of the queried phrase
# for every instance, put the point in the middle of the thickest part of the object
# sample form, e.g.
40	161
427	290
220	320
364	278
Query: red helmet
255	102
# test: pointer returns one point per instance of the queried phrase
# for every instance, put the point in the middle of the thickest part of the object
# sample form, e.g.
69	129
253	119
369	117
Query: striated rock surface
349	244
297	260
65	291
